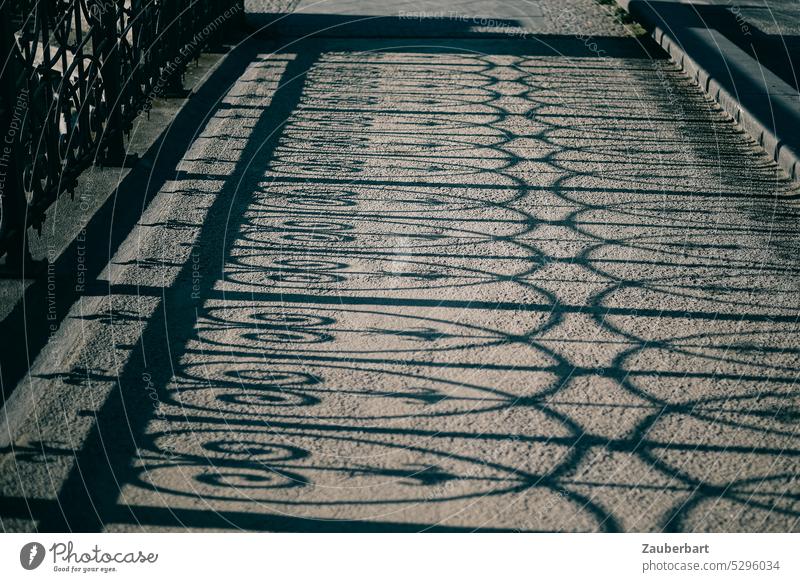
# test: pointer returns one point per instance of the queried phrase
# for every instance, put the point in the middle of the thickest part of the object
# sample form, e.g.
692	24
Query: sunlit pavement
515	277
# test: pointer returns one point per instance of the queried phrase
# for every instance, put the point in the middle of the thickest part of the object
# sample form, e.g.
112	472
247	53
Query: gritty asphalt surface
525	282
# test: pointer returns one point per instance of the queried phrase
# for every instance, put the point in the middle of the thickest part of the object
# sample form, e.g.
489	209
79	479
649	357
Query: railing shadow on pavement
308	377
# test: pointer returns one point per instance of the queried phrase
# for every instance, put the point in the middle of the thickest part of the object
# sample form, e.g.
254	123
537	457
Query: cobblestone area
271	6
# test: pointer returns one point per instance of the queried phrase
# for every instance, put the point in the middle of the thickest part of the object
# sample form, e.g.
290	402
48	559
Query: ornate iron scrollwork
75	74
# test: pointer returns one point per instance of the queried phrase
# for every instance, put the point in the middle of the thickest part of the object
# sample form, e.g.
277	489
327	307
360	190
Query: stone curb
763	104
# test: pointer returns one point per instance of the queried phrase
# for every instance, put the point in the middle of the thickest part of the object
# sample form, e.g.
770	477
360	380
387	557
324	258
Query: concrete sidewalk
742	58
428	18
507	283
768	30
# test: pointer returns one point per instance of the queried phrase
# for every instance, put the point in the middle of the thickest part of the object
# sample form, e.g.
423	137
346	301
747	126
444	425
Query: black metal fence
73	76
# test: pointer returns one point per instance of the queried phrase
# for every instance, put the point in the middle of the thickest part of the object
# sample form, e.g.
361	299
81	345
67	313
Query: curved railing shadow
485	287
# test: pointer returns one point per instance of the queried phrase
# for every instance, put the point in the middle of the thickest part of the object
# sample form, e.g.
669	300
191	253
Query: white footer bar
401	557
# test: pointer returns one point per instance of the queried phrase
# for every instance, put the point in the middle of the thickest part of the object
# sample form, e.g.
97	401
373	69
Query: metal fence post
172	32
105	45
15	124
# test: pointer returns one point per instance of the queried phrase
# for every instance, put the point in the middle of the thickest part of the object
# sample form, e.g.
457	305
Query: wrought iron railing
74	74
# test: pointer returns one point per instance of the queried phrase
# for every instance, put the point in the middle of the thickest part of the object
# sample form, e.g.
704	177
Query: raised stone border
767	107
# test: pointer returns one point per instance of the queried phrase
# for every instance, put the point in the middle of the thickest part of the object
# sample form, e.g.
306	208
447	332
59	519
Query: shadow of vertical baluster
89	495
